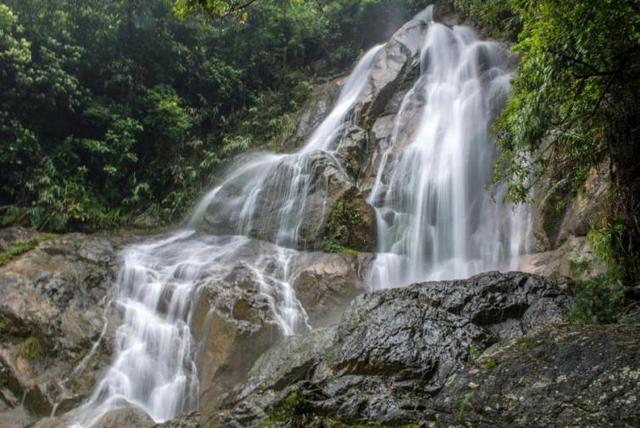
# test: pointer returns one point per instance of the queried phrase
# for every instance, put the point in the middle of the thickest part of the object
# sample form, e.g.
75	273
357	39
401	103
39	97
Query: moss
598	301
294	405
331	246
474	352
20	247
526	342
342	229
489	363
32	348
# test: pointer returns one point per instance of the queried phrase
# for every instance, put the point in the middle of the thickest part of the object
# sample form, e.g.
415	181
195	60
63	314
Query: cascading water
435	218
154	366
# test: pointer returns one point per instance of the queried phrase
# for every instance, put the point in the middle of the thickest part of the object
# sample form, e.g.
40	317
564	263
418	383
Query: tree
214	8
575	102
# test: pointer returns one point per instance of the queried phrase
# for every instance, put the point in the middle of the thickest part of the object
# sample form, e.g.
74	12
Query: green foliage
18	248
598	301
496	17
578	68
474	352
341	223
526	342
293	405
111	109
214	8
464	404
489	363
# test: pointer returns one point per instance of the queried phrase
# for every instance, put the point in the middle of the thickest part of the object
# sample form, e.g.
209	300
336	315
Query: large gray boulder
394	350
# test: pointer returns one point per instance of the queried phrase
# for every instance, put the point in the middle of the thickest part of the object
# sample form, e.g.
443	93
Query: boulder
393	350
56	322
125	416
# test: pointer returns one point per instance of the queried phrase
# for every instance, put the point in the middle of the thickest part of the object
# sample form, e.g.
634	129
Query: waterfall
435	217
154	365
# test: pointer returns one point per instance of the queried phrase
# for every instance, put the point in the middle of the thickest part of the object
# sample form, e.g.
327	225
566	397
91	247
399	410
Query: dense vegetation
111	108
575	104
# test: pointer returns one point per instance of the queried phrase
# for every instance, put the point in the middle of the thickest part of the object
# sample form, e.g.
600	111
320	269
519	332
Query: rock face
235	320
314	111
288	200
561	221
234	324
326	283
56	325
394	350
561	376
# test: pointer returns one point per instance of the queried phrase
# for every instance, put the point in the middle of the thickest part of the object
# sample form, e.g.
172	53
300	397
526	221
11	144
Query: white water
435	217
154	365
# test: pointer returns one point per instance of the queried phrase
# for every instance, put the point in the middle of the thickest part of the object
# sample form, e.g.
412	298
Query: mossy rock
350	227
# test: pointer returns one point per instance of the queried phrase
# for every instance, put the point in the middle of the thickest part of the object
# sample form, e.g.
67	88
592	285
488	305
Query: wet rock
233	323
381	133
393	350
353	150
560	213
396	59
54	307
350	225
13	235
319	181
314	111
565	375
589	206
574	259
326	283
